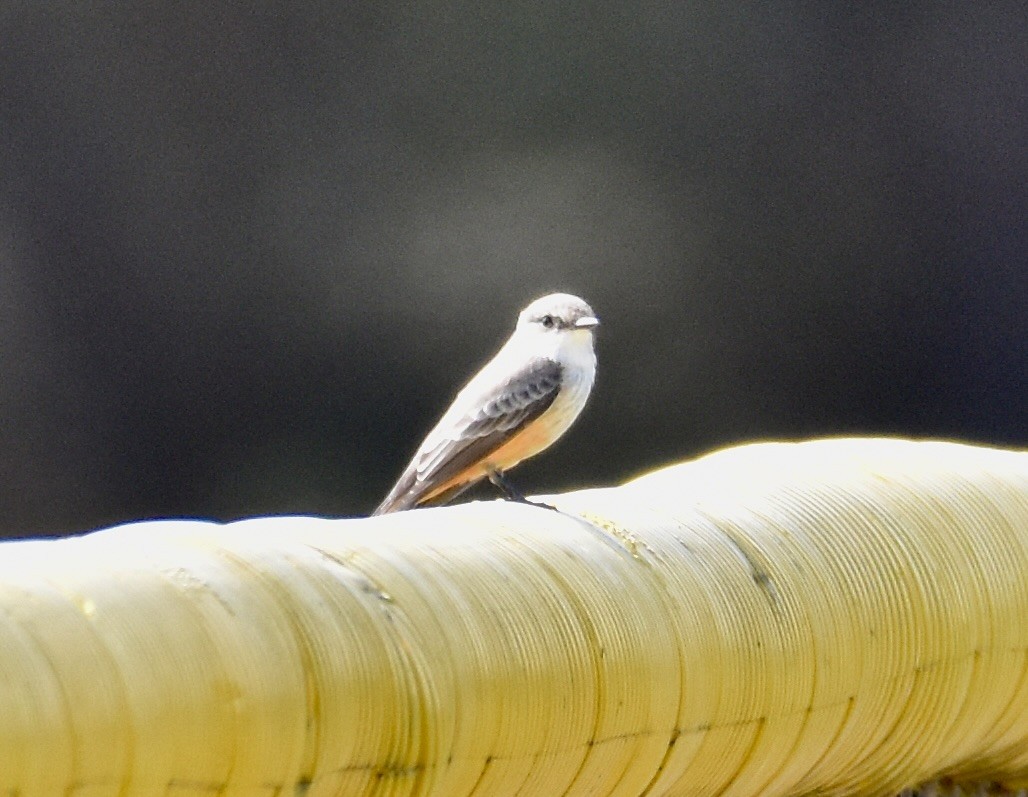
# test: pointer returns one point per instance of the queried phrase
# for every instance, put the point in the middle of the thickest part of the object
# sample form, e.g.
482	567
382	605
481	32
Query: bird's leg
500	480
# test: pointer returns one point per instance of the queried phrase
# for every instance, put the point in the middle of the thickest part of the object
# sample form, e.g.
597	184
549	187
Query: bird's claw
499	478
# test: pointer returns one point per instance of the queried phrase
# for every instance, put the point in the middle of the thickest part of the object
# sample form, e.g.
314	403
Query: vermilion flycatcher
517	405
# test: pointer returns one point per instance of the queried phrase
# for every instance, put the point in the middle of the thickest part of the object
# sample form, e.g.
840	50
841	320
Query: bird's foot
500	480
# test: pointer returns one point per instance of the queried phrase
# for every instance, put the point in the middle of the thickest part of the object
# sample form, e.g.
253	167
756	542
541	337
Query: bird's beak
587	322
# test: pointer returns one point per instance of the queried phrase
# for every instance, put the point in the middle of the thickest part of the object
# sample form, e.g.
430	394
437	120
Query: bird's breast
549	426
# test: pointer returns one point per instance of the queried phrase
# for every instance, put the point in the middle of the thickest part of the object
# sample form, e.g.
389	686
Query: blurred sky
249	251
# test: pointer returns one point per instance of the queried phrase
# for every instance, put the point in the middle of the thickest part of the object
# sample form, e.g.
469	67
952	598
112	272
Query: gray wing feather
524	397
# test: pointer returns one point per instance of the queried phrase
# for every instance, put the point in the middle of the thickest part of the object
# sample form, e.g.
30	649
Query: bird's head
559	314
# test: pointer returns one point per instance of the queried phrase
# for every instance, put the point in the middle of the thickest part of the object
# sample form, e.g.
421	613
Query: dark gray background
249	251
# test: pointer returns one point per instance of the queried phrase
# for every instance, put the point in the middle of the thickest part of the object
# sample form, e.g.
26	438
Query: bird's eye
547	321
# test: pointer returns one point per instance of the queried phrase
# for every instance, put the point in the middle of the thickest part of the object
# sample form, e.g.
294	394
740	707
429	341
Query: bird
517	405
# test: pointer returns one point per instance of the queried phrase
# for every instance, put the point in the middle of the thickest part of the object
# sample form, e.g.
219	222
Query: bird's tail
408	494
401	497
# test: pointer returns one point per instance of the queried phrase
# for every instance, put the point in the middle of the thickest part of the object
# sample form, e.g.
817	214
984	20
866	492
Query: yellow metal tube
834	617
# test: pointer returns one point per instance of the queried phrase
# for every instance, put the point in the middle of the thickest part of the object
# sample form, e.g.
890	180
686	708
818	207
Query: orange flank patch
526	443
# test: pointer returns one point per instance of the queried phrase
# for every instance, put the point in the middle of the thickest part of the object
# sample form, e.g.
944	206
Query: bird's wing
472	434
